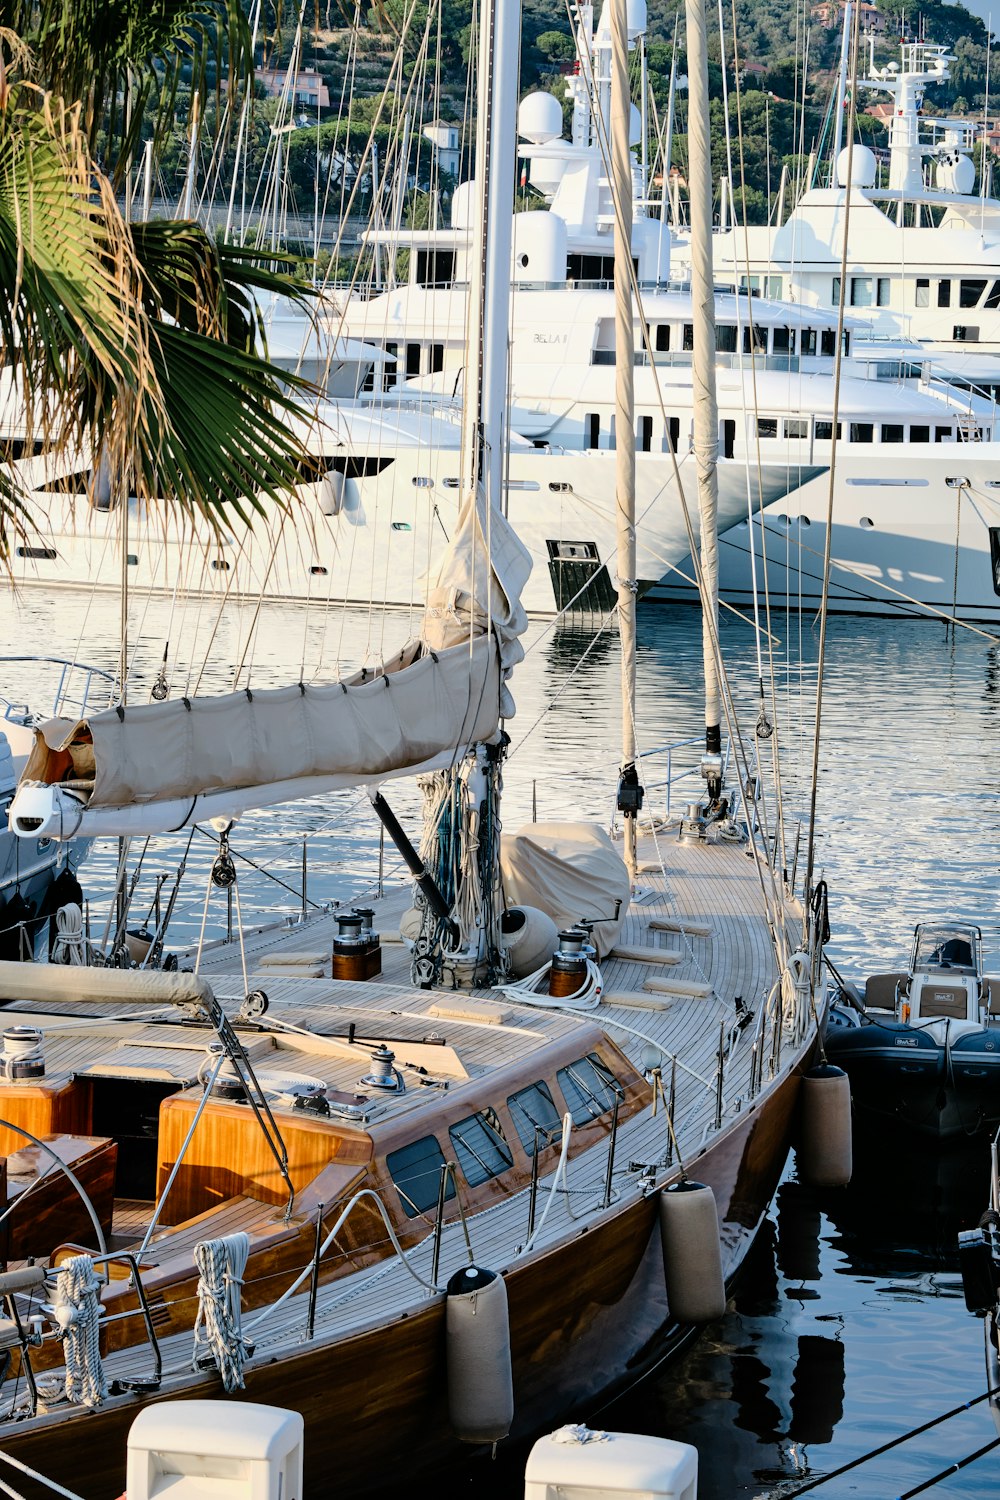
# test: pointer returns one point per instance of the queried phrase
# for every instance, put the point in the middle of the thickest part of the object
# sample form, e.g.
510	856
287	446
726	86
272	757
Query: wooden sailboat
419	1217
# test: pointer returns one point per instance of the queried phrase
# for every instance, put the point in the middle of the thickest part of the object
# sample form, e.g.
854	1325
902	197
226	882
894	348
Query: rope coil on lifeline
76	1310
218	1331
69	947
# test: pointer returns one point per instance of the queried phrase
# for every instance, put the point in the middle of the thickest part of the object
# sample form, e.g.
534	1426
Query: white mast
838	123
706	416
621	184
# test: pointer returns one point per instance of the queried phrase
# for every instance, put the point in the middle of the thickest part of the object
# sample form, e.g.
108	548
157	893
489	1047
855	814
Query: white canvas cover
570	870
440	694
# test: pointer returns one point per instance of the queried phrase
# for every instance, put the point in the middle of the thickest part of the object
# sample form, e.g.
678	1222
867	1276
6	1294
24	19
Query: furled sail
158	766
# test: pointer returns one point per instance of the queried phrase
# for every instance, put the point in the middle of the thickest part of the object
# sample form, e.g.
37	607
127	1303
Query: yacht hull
588	1317
923	542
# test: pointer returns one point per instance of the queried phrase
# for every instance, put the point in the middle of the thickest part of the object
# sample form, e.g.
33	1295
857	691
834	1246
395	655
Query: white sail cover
441	693
573	872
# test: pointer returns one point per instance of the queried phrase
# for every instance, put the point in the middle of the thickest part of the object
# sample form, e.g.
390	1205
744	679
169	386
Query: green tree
134	342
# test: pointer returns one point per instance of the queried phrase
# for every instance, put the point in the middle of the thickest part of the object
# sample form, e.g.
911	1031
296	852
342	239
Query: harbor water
848	1327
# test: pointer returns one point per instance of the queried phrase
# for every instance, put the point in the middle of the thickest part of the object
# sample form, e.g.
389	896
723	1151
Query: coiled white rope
529	991
69	947
75	1309
218	1327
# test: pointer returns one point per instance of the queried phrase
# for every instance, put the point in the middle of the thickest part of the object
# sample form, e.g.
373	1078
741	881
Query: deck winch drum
22	1057
825	1152
357	951
692	1255
480	1372
568	973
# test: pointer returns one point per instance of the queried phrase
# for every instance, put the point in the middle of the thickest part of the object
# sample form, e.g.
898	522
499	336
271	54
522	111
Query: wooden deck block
685	988
642	953
288	958
679	924
636	1000
460	1008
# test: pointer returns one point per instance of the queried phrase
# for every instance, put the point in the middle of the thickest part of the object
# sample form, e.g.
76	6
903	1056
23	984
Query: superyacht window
687	339
535	1116
862	291
944	294
828	341
481	1148
796	427
862	432
767	427
892	432
593	420
993	297
725	338
970	290
835	292
759	336
995	557
883	291
944	434
923	298
784	341
589	1088
920	434
644	434
416	1174
662	337
823	430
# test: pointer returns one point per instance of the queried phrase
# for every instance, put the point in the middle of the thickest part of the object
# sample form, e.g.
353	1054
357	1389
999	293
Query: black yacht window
725	338
687	337
944	294
593	420
807	341
663	336
969	291
589	1088
437	358
767	427
416	1174
784	341
995	557
412	359
481	1147
823	430
862	432
645	434
920	434
892	432
828	341
533	1111
672	436
944	434
759	340
993	298
965	333
728	438
38	554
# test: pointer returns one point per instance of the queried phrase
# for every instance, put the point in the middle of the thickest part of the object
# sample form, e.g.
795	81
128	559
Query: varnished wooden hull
587	1317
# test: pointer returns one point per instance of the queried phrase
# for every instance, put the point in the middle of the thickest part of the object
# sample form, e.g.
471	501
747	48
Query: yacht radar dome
863	167
463	205
635	11
539	118
955	173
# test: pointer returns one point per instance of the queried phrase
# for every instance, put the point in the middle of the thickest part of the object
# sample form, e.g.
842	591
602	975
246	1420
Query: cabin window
969	291
759	336
416	1175
68	484
828	341
767	427
807	341
412	359
965	333
995	557
920	434
835	292
663	336
593	420
862	432
725	338
132	559
862	291
220	565
944	434
535	1116
892	432
883	291
589	1088
645	434
728	438
944	294
38	554
391	372
318	571
672	436
481	1148
437	358
993	298
687	336
823	430
784	341
796	427
923	292
773	287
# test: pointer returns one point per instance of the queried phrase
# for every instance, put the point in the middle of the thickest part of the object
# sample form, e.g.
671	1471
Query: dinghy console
944	989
